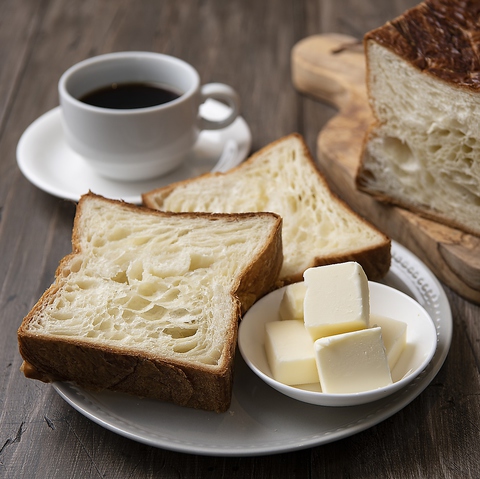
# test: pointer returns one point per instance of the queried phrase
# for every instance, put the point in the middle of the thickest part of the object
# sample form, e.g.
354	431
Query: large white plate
49	163
260	419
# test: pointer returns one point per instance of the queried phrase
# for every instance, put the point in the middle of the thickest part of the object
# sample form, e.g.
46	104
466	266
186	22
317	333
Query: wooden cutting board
331	68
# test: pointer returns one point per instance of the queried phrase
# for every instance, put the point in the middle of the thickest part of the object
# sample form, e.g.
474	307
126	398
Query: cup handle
223	93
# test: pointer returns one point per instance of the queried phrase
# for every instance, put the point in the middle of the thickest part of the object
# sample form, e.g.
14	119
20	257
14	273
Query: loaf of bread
318	228
148	302
423	80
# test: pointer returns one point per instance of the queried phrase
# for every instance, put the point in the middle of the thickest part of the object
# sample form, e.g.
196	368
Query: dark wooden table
246	44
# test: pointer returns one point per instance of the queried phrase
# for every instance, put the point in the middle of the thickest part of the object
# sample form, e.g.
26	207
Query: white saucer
48	162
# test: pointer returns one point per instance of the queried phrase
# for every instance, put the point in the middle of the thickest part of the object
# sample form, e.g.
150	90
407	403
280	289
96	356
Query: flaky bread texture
318	228
148	302
423	79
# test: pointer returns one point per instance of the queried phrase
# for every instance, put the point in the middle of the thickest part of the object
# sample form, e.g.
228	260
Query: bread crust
440	38
99	367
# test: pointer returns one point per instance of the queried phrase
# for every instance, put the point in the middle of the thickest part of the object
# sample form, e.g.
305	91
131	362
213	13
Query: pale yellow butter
352	362
394	334
336	299
291	306
290	352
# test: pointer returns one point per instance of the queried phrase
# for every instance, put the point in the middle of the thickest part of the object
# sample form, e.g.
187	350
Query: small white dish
48	162
384	301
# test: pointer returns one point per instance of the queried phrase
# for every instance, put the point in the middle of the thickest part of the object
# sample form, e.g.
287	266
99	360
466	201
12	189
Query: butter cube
394	334
290	352
352	362
291	306
336	300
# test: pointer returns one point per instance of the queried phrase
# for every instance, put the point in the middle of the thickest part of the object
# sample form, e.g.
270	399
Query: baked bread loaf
423	80
318	228
148	302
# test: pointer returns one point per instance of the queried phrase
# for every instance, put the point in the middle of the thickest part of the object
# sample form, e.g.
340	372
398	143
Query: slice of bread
148	302
318	228
423	151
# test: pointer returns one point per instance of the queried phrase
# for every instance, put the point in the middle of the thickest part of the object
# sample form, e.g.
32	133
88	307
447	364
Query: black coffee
121	96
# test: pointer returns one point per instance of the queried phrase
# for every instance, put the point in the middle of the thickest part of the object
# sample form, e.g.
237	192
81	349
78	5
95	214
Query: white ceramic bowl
384	301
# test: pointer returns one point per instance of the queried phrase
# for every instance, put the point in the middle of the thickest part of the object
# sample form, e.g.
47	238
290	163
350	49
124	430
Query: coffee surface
122	96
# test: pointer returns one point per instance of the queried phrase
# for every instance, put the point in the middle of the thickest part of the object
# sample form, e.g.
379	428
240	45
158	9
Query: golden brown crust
257	279
439	37
99	368
95	367
375	261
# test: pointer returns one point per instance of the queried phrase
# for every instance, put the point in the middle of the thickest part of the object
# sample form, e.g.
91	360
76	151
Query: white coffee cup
138	143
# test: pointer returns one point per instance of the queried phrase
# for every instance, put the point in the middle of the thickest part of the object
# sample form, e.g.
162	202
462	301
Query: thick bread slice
148	302
318	228
423	78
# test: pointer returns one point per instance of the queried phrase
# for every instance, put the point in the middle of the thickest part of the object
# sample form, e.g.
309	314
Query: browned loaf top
440	37
148	303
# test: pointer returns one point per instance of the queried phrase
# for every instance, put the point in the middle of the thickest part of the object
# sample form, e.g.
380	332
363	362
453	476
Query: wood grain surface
331	67
246	44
